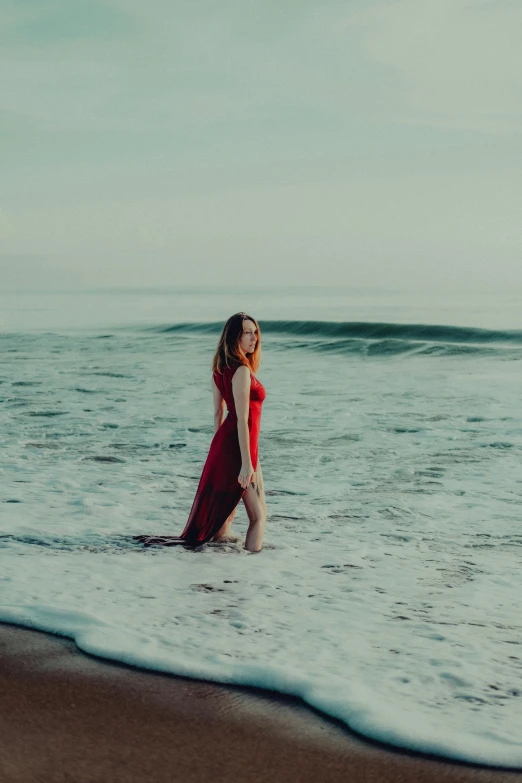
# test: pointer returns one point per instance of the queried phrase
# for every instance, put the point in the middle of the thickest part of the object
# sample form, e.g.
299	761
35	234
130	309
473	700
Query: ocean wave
369	330
365	338
386	594
373	338
362	707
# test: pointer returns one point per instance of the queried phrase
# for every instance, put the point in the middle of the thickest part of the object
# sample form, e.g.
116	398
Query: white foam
390	598
367	710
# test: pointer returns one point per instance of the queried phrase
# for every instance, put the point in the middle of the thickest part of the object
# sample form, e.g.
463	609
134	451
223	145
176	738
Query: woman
232	470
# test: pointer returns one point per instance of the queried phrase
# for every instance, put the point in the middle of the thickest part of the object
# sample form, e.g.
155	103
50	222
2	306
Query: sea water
388	591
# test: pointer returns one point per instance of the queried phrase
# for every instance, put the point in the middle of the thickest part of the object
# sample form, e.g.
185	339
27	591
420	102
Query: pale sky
181	142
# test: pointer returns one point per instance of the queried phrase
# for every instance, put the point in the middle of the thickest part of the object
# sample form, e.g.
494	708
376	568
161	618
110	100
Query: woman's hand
246	475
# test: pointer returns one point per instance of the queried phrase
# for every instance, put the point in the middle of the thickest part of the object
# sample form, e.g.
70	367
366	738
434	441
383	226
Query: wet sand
69	717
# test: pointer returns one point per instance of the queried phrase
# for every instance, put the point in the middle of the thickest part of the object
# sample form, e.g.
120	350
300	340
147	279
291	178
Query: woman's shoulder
241	372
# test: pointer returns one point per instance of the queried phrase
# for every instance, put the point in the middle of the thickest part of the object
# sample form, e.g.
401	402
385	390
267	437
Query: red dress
219	490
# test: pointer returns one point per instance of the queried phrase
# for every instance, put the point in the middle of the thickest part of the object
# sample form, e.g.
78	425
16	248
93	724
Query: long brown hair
228	353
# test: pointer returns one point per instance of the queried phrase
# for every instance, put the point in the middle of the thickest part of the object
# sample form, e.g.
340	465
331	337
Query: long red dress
219	491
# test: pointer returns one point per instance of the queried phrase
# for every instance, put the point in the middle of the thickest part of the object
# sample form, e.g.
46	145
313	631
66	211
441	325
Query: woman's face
248	339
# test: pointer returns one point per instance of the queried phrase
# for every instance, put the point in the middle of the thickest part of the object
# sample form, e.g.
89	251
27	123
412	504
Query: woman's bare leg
255	504
223	532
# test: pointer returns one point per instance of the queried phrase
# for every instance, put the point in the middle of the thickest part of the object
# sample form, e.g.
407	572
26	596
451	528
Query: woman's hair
228	353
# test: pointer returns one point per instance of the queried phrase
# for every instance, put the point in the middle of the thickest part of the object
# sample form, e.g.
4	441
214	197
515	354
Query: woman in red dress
232	471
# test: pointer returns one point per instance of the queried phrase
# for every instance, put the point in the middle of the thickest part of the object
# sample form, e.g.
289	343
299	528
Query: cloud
45	23
281	131
135	67
456	63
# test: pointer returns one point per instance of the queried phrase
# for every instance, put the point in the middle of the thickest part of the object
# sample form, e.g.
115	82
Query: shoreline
69	716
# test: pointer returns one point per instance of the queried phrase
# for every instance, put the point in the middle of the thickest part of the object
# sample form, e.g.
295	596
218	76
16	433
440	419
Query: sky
274	142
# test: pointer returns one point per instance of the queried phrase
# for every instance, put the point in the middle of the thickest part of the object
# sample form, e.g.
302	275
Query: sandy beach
67	716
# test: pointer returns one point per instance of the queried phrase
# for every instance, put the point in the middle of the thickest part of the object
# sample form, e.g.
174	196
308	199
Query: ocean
387	594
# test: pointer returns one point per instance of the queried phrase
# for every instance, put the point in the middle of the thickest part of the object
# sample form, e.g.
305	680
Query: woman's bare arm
219	406
241	392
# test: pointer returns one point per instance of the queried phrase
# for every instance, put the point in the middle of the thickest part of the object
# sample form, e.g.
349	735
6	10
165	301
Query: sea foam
387	593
